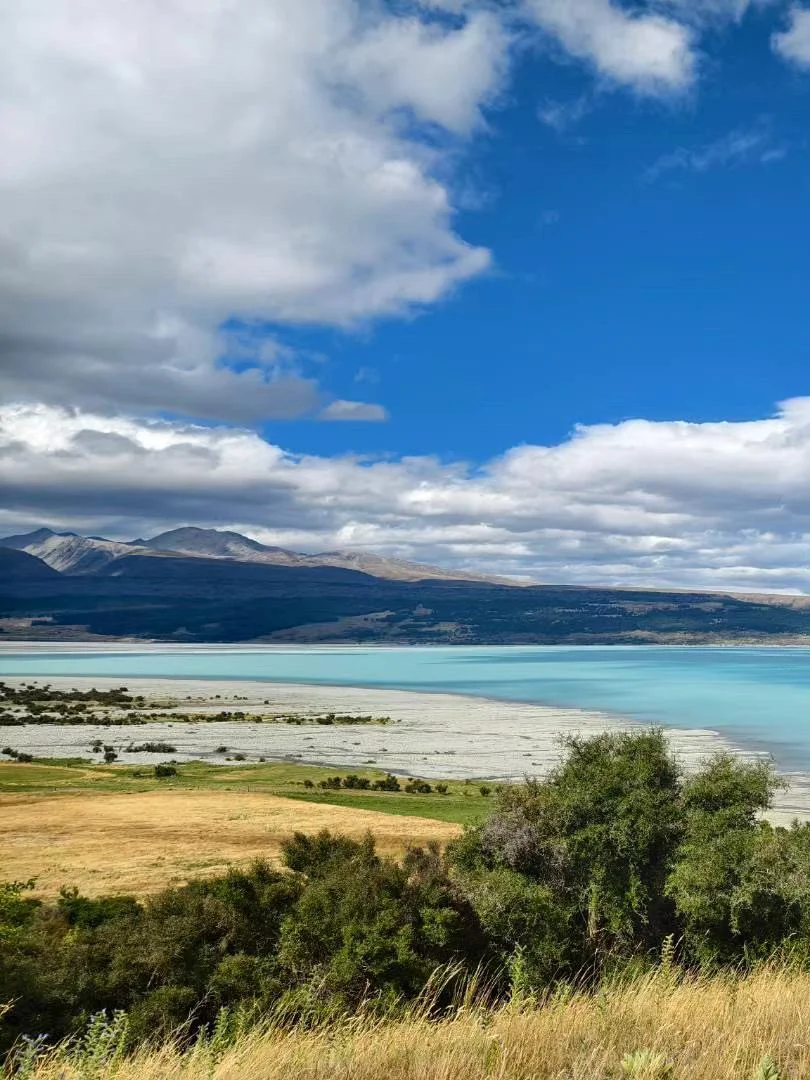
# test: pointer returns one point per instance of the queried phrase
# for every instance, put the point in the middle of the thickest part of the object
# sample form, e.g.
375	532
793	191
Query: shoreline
10	646
436	735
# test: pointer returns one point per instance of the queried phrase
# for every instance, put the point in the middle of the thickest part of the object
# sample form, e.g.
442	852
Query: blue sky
615	293
509	285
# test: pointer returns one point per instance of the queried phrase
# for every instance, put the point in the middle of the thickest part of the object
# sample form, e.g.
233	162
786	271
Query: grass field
108	843
732	1028
463	804
105	829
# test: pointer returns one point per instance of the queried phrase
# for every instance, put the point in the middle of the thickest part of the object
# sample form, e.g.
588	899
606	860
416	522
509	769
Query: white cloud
738	147
353	410
794	43
562	115
703	13
444	77
715	505
648	52
165	165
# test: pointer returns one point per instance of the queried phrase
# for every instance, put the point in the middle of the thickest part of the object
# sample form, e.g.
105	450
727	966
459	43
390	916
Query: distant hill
193	584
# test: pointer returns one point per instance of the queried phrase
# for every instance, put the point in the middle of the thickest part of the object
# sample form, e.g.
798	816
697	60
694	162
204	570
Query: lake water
755	697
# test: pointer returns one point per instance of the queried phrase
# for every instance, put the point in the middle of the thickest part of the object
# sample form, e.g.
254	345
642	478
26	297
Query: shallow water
756	697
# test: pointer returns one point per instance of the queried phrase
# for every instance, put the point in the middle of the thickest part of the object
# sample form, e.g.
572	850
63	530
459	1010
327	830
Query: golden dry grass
711	1029
110	843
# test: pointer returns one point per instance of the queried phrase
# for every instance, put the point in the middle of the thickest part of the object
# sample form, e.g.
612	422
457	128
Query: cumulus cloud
648	52
444	77
794	43
714	505
168	165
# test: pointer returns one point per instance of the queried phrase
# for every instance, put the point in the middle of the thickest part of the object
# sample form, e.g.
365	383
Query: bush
18	755
418	787
163	772
618	853
331	783
737	881
390	783
356	783
367	925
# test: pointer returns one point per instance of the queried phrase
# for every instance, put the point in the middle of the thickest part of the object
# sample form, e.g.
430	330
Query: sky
516	286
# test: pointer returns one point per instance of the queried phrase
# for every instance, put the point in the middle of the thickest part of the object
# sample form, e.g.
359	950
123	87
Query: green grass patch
463	803
458	808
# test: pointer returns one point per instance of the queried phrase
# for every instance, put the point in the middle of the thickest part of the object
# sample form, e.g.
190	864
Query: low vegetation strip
34	703
112	844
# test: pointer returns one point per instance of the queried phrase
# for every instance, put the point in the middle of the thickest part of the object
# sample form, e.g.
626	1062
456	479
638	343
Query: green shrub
389	783
418	787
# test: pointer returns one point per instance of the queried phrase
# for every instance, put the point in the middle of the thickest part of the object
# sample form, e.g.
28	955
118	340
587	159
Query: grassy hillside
656	1028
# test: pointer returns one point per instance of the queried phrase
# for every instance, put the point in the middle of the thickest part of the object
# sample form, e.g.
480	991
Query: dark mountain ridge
207	585
19	566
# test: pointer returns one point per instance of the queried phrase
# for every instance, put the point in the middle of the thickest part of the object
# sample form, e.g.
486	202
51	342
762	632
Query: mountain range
207	585
71	553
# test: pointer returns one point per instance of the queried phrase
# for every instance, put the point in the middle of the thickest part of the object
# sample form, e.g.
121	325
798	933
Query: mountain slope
215	543
67	552
21	540
173	572
18	566
399	569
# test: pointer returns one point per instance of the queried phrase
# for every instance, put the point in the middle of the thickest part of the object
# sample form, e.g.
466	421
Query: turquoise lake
756	697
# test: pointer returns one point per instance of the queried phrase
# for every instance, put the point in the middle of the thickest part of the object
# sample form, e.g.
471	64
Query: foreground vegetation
660	1027
615	866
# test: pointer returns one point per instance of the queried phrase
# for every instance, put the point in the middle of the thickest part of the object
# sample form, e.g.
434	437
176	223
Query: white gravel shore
431	735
